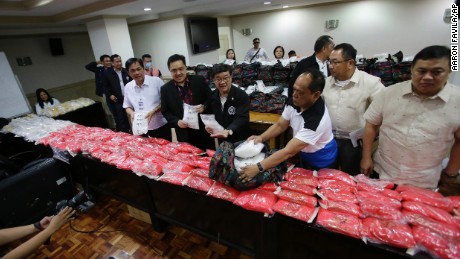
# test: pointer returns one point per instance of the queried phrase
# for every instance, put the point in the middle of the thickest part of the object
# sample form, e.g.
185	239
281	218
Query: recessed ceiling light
267	2
285	6
147	9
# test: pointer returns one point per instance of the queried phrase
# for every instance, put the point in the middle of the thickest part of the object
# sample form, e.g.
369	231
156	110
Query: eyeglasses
225	79
336	62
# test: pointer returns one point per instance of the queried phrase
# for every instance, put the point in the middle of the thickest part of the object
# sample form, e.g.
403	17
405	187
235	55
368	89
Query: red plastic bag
380	210
333	184
158	141
297	197
128	163
271	187
147	168
378	198
337	195
203	162
257	200
176	167
301	188
420	220
342	207
184	147
186	158
224	192
376	184
388	232
200	172
418	190
295	172
455	200
305	180
339	222
174	178
392	194
436	244
154	159
294	210
435	201
431	212
327	173
199	183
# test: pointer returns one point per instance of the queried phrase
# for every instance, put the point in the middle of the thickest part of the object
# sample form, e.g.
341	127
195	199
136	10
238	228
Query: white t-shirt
312	126
45	105
261	55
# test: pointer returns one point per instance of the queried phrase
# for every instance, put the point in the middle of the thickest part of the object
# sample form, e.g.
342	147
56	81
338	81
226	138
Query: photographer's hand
32	244
60	219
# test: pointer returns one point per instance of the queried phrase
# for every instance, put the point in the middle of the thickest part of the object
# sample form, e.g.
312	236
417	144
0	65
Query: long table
220	220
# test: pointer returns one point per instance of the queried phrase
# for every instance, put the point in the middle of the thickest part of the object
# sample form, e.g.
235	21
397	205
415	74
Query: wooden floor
122	236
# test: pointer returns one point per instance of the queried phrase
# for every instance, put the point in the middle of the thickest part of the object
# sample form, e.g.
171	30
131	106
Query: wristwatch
444	172
230	132
259	165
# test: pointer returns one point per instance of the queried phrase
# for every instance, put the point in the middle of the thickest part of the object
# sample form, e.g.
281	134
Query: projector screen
13	102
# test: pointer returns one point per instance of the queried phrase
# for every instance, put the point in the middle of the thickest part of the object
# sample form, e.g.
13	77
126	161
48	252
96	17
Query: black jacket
171	103
301	67
98	75
111	83
235	115
173	110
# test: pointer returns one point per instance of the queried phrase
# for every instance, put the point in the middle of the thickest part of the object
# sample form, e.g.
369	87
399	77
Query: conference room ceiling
40	16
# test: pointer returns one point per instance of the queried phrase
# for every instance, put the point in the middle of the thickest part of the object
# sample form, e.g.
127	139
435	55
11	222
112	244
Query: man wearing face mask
150	70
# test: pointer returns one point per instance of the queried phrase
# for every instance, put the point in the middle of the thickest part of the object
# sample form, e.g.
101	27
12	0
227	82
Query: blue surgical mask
148	65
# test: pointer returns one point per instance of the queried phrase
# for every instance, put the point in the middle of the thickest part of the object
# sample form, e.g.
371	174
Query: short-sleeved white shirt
145	98
415	133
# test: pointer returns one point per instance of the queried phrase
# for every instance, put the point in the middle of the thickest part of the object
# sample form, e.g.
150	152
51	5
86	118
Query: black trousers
349	157
163	132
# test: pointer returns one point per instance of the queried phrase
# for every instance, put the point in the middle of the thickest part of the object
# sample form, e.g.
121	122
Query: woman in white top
278	52
44	100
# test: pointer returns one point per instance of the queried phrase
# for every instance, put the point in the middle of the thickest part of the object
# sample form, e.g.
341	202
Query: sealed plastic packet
140	123
209	121
191	116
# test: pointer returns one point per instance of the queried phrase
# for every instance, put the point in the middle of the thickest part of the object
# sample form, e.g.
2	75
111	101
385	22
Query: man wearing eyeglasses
256	53
230	105
417	121
323	47
347	94
189	89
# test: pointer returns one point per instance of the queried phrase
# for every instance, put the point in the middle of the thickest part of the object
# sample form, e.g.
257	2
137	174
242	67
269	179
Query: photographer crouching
45	228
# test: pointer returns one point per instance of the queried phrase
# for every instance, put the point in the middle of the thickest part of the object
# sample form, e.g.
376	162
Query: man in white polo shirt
307	114
417	121
142	94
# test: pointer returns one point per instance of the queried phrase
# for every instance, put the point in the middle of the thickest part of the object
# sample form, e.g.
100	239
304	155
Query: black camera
79	202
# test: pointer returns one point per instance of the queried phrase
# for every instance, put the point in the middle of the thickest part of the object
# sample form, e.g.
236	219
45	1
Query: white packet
191	116
242	162
248	149
140	123
209	121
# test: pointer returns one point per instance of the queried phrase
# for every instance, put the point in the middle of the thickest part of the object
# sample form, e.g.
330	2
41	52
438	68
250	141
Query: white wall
49	71
370	26
164	38
373	26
